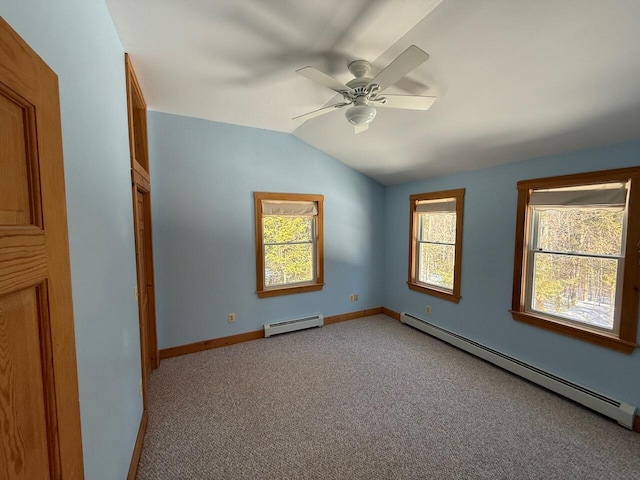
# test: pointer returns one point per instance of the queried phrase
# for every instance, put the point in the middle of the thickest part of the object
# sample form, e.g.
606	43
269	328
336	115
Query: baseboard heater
293	325
622	412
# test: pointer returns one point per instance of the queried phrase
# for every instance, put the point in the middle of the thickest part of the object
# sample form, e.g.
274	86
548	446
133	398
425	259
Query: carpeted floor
368	399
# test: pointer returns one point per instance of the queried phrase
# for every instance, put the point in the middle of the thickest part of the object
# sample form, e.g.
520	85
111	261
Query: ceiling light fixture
360	113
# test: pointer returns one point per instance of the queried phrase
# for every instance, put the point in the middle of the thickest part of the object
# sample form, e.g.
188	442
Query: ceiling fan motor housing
360	68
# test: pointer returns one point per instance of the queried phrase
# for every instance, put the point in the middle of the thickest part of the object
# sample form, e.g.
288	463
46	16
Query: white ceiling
515	79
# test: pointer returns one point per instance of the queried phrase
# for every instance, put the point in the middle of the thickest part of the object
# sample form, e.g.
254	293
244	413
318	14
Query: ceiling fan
362	94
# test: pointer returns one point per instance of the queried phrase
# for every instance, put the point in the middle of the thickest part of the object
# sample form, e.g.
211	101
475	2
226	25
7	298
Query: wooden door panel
144	250
142	232
140	129
19	202
14	209
151	315
25	447
140	250
143	312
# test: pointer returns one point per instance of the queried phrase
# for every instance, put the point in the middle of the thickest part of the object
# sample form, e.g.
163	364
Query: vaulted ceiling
514	79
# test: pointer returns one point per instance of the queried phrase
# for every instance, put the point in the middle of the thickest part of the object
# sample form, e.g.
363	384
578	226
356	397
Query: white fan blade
360	128
411	58
410	102
320	111
323	79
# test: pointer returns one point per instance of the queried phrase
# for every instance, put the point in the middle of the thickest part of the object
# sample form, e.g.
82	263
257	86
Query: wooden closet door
143	293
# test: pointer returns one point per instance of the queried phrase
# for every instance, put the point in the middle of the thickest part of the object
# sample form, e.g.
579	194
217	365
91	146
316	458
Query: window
289	243
576	263
435	251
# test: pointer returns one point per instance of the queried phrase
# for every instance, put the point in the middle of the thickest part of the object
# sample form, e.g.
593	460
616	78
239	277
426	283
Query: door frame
141	179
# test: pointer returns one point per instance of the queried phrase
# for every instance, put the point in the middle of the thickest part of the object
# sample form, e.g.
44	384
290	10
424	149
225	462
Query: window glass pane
287	229
580	230
582	289
435	264
285	264
438	227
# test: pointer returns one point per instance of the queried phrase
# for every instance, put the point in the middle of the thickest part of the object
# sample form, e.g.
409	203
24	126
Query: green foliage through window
288	249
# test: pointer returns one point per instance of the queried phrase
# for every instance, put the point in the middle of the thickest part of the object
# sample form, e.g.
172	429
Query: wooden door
39	407
141	199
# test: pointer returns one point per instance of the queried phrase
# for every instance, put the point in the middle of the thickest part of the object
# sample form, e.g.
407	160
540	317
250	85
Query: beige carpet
368	399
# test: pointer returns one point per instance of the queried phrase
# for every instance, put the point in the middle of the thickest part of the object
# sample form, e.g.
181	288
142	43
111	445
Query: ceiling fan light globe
360	114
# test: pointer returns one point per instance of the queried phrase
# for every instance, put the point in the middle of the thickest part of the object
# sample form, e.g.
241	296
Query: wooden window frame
413	283
625	340
314	285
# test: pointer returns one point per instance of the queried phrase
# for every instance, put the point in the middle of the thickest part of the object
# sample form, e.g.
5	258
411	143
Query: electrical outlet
427	309
231	317
351	298
355	297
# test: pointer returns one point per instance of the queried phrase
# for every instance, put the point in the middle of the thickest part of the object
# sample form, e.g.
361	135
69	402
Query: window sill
277	291
610	341
443	294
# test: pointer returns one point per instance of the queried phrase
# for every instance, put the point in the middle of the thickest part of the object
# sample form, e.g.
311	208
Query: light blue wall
487	270
203	177
78	41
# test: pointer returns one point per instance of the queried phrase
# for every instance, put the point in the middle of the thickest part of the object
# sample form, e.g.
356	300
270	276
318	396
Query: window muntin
436	240
575	268
289	243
